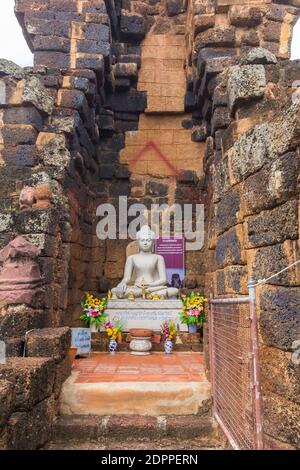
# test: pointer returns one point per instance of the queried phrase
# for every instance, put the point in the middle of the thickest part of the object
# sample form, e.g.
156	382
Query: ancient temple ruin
173	101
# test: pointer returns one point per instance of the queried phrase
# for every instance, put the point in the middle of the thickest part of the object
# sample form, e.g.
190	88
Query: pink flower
193	312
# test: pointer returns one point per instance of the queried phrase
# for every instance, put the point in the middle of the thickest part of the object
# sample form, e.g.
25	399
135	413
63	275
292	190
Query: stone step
143	431
139	444
121	384
142	398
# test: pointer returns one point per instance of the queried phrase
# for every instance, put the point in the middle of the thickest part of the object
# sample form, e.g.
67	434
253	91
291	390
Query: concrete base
145	313
142	398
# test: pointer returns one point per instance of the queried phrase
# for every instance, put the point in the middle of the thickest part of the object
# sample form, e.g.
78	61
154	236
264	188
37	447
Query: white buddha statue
149	270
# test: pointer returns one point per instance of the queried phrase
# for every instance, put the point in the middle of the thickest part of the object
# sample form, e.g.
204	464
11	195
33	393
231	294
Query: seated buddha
148	269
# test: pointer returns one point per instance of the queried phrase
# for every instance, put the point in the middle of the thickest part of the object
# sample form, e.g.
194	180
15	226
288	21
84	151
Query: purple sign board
172	249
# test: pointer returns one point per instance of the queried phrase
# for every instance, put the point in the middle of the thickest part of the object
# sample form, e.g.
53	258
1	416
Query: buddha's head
145	238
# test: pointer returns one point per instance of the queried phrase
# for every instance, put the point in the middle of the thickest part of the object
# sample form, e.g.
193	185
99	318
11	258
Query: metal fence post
256	366
211	351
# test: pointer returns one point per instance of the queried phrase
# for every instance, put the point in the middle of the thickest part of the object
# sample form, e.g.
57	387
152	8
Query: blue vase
112	346
192	328
168	346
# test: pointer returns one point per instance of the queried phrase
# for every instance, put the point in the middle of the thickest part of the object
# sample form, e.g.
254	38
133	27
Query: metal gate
233	338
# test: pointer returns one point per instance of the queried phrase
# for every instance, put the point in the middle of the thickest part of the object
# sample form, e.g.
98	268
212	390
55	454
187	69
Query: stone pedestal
145	313
140	345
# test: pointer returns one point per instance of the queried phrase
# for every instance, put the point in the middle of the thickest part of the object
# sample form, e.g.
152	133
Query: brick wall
251	165
65	122
162	73
30	388
109	77
58	128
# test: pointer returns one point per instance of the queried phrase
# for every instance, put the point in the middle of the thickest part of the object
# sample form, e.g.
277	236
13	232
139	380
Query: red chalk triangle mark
152	145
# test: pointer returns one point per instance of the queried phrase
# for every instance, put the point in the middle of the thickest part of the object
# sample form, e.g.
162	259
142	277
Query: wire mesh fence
235	371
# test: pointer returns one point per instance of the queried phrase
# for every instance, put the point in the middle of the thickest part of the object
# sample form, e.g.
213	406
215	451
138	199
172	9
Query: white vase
112	346
168	346
93	328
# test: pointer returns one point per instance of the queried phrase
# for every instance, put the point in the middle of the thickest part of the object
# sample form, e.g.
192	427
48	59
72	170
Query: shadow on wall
295	47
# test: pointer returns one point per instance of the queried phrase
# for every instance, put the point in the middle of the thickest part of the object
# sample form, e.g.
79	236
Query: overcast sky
13	46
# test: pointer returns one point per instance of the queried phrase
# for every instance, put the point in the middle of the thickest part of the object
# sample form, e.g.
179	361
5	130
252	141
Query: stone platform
121	384
145	313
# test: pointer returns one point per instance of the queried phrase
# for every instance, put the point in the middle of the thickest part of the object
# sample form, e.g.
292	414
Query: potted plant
192	313
168	330
93	311
114	333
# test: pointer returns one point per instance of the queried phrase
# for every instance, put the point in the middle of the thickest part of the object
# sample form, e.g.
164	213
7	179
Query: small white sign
82	340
